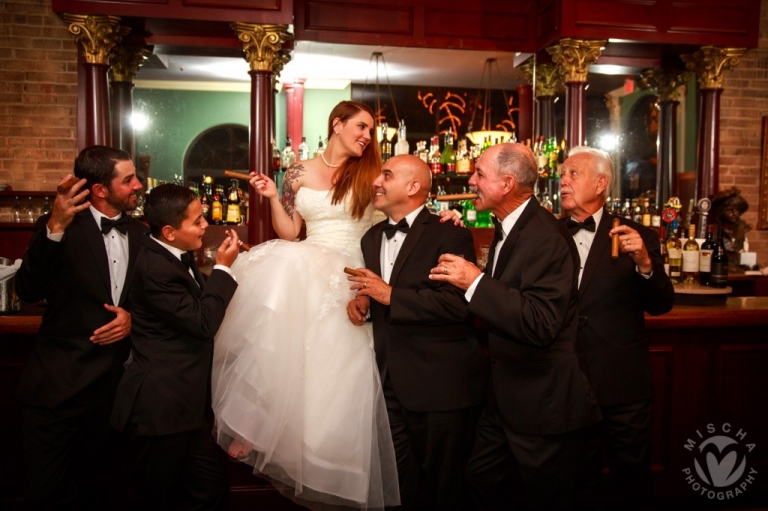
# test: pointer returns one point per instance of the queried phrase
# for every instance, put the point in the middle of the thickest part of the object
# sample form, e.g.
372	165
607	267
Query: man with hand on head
536	428
432	369
80	260
614	294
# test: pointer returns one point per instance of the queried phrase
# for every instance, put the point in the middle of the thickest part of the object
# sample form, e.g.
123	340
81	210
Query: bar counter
709	366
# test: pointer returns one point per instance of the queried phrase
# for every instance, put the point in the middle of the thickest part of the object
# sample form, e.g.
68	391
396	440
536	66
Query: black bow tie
401	226
573	226
186	258
121	224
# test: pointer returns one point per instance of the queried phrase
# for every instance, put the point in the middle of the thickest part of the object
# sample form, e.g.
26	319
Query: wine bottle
705	259
719	271
675	251
448	157
691	258
469	213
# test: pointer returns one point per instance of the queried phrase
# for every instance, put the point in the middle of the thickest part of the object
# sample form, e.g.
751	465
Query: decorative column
709	63
573	56
294	112
526	109
96	35
262	45
125	62
547	79
667	84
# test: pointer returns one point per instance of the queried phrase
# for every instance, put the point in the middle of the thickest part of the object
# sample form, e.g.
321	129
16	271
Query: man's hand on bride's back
263	185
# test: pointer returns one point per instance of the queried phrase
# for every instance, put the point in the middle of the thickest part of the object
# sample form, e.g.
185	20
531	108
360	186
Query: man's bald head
403	185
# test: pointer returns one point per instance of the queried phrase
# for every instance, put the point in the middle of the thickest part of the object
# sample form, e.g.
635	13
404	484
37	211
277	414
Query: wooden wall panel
663	389
695	22
505	26
267	5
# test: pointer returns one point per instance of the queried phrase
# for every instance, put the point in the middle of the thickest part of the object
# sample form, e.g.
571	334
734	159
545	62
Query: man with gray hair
613	296
535	428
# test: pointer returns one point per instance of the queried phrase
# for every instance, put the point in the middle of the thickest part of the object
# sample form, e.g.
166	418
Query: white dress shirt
390	247
116	244
178	252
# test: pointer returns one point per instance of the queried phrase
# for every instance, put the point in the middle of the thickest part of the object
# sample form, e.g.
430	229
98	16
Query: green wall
177	117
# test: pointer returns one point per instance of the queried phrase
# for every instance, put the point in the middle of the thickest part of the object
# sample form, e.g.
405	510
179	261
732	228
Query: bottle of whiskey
217	214
646	213
691	258
705	259
719	271
434	157
385	145
233	203
675	251
205	201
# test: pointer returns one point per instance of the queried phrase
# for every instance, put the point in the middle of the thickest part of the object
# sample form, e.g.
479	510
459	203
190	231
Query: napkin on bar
6	272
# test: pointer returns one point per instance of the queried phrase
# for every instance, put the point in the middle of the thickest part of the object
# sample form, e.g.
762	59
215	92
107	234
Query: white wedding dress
294	378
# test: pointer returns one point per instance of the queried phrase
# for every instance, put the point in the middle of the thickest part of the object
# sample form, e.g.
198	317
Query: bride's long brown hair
355	174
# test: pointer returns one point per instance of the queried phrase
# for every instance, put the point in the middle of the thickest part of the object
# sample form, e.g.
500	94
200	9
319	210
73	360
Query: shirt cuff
471	290
225	269
53	237
646	276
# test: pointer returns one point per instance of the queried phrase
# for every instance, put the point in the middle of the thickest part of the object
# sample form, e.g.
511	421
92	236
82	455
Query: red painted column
260	151
525	112
708	166
96	105
575	114
294	106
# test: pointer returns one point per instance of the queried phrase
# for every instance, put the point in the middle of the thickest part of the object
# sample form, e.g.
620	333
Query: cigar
237	175
240	243
67	185
615	240
456	196
354	273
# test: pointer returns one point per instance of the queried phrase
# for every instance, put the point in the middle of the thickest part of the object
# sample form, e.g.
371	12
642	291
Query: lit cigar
237	175
615	239
354	273
456	196
240	243
67	185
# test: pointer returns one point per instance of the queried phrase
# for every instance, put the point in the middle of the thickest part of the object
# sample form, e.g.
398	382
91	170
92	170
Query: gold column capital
262	44
710	62
97	35
574	57
547	79
667	82
125	61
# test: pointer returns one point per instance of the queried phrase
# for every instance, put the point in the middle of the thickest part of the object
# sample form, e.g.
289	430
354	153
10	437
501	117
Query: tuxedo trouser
625	433
431	449
179	471
508	470
66	451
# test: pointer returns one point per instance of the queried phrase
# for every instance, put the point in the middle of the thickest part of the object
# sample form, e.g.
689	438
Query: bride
295	389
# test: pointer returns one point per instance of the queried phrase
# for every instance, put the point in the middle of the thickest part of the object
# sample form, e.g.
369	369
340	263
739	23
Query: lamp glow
139	121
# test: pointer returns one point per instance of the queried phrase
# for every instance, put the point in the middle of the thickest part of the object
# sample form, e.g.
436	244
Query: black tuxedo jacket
613	297
165	386
423	339
73	276
530	308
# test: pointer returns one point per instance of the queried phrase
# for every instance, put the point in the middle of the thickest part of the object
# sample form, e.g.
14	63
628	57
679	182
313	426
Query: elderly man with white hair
614	294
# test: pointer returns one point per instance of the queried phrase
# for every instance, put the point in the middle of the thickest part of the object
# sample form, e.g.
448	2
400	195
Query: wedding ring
365	285
445	270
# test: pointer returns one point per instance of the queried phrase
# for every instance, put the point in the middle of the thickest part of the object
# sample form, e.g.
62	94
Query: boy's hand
228	249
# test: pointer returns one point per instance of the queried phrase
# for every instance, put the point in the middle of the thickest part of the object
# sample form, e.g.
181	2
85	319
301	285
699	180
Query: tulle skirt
297	381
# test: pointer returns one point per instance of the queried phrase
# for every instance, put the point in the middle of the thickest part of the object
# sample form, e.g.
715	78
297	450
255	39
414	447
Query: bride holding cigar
295	389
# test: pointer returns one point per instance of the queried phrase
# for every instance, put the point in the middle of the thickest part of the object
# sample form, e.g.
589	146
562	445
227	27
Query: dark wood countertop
736	312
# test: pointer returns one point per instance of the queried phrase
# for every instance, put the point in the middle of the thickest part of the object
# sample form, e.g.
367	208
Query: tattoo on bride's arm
292	175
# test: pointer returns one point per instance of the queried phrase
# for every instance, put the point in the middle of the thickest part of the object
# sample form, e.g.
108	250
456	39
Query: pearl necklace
328	164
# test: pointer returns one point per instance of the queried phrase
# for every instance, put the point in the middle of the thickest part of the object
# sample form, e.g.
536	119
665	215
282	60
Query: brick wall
38	95
743	104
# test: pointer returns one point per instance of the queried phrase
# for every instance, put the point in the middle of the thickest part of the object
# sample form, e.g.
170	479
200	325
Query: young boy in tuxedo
162	398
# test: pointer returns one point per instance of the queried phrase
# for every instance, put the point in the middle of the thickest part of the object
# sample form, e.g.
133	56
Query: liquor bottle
663	250
705	259
463	159
233	203
546	203
637	212
675	251
16	212
655	217
287	157
303	149
719	271
320	149
402	146
691	258
421	151
205	202
542	159
448	158
385	145
626	210
434	156
469	213
646	213
216	208
275	157
30	211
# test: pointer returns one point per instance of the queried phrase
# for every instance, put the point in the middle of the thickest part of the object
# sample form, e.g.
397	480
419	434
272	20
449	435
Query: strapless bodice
331	224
